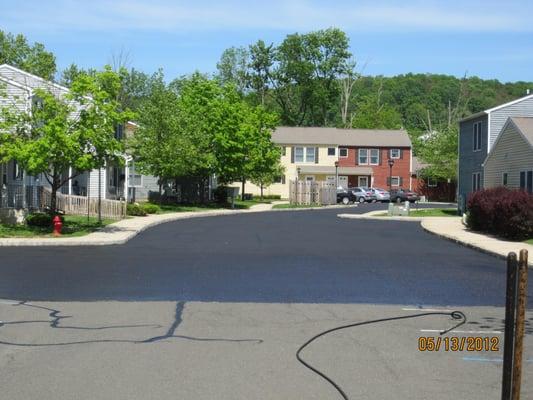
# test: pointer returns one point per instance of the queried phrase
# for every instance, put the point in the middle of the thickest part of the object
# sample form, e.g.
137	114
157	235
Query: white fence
307	193
81	205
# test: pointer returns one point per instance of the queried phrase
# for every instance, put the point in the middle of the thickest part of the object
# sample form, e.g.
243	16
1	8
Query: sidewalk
452	228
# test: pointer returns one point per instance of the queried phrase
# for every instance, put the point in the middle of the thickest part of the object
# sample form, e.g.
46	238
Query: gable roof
524	126
489	110
341	137
14	83
43	81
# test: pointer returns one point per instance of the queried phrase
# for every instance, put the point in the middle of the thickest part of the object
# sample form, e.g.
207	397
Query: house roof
35	77
418	165
489	110
341	137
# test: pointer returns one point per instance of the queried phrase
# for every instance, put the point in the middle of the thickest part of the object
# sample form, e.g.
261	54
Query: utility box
399	209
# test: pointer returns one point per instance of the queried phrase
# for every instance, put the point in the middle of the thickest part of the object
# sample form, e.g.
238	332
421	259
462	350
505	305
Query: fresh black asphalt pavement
269	257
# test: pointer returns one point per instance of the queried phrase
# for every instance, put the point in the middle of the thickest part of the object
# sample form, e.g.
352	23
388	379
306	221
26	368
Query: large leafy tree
15	50
232	67
73	130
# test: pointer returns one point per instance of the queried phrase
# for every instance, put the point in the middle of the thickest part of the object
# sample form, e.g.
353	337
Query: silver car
380	194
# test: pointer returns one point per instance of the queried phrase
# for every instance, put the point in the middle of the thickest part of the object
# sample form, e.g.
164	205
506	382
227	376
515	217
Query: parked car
380	194
345	196
370	195
399	195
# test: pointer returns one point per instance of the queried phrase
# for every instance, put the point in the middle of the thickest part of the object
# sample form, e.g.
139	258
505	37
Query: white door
343	181
309	178
363	181
330	179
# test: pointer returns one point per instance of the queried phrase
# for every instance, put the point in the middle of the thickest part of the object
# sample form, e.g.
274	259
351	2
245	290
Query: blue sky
490	39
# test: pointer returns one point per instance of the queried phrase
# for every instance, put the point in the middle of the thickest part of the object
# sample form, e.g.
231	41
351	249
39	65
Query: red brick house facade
377	158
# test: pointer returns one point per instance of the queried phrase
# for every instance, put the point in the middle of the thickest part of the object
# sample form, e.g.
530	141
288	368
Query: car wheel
361	200
345	200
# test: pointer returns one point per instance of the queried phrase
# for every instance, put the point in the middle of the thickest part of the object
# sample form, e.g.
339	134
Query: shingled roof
341	137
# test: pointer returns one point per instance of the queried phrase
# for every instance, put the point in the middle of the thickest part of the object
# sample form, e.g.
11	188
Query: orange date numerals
457	343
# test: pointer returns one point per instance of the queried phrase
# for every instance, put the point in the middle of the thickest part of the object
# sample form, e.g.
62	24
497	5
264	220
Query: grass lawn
529	241
172	208
248	203
428	212
295	205
74	225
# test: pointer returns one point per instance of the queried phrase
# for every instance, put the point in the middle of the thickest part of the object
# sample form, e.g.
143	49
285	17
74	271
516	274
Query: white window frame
370	157
305	155
359	153
392	179
310	155
431	182
132	172
476	181
341	150
334	151
396	157
477	135
525	187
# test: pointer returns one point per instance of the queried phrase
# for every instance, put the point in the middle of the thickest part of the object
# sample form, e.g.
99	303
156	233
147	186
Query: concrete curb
122	231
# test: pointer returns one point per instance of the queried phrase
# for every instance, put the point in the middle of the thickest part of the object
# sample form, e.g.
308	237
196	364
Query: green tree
75	130
260	66
16	51
233	68
439	150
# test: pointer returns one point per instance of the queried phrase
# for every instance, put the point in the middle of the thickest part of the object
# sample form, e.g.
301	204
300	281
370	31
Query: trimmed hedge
151	208
502	212
135	210
40	220
271	197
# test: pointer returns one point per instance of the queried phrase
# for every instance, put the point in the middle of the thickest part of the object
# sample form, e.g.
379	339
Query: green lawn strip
429	212
240	204
74	225
285	206
529	241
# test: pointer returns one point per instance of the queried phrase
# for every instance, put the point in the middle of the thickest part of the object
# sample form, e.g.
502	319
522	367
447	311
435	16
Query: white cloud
179	16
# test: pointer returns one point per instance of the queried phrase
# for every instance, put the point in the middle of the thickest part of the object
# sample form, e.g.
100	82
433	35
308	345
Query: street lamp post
391	163
336	174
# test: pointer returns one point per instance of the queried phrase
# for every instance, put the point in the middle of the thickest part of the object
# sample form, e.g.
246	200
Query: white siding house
510	163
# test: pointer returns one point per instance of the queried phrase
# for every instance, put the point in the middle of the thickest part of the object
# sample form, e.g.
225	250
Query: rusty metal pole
510	306
520	325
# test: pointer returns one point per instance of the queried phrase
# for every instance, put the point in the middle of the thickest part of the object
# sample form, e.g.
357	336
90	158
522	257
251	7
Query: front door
343	181
363	181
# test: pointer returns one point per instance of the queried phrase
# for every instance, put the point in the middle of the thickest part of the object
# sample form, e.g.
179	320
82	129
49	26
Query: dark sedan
399	195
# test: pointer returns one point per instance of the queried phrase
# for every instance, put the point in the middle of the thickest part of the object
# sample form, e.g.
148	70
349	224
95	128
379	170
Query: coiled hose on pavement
457	315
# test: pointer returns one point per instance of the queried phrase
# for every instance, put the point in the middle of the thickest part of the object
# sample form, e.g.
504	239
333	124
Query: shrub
501	211
40	220
272	197
150	208
221	194
135	209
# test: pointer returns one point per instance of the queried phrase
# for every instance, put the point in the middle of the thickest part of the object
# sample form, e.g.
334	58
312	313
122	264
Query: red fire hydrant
58	224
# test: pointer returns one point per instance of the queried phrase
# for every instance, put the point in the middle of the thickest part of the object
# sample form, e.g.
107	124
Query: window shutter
356	156
388	180
401	181
401	154
316	155
379	157
292	155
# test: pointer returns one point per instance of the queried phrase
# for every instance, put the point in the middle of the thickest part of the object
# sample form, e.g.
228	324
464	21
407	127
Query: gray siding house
477	135
510	162
16	91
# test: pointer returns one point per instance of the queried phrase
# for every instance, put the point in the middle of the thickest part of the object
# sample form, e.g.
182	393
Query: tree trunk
53	197
242	194
261	192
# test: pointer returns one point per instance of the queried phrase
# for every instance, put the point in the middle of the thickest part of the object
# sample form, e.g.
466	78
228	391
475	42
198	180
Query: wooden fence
81	205
307	193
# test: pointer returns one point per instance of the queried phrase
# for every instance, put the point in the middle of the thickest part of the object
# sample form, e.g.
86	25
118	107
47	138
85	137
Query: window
526	181
477	136
343	152
476	181
504	179
283	151
310	154
431	182
374	156
119	132
395	153
363	156
310	178
304	154
331	151
280	179
3	167
298	154
395	181
17	171
135	179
